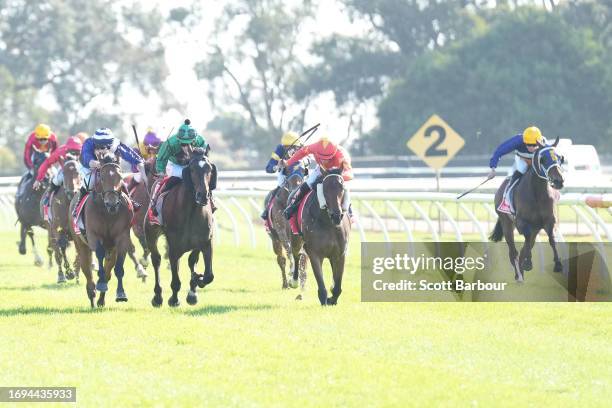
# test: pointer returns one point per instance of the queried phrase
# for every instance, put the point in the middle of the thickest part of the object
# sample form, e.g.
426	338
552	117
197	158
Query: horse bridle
112	192
536	164
341	183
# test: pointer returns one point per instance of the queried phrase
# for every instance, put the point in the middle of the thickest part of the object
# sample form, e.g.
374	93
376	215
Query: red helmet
74	144
328	148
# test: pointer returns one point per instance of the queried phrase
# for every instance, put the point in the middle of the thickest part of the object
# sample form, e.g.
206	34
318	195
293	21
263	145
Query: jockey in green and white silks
172	158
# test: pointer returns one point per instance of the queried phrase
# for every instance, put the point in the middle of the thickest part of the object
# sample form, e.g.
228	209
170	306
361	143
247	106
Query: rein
99	179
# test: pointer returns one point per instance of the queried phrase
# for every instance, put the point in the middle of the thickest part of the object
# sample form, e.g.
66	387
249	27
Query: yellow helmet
290	138
532	136
42	131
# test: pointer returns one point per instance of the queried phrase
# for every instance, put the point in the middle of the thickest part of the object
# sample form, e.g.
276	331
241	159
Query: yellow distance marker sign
435	142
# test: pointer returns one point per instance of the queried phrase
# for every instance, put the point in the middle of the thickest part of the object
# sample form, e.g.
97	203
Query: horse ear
556	142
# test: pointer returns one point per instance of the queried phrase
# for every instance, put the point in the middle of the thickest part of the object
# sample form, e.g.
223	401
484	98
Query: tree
530	67
74	52
264	40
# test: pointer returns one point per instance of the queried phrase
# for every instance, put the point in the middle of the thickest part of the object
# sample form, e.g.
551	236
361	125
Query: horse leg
102	284
144	261
37	259
337	264
84	258
208	270
22	241
550	231
317	270
63	246
119	272
140	271
152	238
53	249
277	246
303	260
508	228
525	255
192	296
175	283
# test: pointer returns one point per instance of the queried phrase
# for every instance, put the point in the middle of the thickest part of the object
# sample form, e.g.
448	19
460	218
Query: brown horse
326	234
60	227
27	207
108	215
283	241
534	200
188	226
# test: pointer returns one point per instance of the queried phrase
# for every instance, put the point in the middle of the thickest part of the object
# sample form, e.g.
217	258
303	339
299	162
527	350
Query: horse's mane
108	158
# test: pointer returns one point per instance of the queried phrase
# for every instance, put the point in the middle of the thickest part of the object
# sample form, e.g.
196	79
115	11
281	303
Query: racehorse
283	241
188	226
326	234
534	199
59	225
108	214
141	194
27	206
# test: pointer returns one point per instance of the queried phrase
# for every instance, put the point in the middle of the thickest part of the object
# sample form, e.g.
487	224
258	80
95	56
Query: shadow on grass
45	286
221	309
40	310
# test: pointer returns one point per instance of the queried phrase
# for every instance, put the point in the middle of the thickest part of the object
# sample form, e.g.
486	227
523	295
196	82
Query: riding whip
473	189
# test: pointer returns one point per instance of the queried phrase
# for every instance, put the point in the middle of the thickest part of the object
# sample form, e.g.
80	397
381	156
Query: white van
582	165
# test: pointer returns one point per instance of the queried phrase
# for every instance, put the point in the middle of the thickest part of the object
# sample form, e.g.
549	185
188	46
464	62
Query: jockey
72	147
172	159
41	140
329	156
147	149
289	144
96	147
525	145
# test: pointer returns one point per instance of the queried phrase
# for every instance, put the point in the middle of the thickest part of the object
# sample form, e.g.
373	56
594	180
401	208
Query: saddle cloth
295	222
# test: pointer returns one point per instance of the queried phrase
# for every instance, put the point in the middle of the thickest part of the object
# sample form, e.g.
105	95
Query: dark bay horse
188	226
326	234
27	206
534	199
59	226
141	193
284	243
108	215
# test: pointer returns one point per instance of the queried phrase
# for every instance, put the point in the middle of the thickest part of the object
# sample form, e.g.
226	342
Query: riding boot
295	202
513	180
264	214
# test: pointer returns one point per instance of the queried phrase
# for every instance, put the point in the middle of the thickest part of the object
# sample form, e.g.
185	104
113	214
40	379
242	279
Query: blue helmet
103	137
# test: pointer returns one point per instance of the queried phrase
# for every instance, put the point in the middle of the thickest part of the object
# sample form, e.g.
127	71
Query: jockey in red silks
329	156
41	140
72	147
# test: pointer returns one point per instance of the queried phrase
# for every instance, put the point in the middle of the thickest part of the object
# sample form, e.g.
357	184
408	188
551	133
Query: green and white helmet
186	133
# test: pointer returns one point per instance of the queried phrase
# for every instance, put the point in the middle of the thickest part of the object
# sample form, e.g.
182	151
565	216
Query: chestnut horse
108	216
326	234
284	243
534	200
188	226
60	227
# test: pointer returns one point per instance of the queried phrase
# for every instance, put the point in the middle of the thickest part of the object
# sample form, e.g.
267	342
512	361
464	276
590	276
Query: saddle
295	222
47	199
78	216
159	203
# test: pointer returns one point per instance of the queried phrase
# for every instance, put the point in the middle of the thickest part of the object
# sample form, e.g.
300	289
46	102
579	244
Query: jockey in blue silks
99	145
290	143
524	145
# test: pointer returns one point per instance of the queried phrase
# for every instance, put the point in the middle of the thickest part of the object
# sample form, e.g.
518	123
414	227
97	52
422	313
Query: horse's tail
498	232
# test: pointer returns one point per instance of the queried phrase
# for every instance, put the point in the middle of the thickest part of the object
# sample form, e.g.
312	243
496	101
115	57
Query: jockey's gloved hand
94	164
491	174
36	185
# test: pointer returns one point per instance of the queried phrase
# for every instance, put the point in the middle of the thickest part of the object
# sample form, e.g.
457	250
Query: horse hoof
144	262
293	283
331	301
173	302
157	301
102	286
527	265
61	278
192	298
121	297
22	249
298	297
141	273
100	303
70	275
204	280
285	286
558	267
38	262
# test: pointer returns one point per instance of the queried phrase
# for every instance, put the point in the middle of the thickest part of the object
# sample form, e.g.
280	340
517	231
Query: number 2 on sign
433	149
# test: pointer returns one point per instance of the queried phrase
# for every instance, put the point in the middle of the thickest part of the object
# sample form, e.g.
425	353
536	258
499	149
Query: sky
185	49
